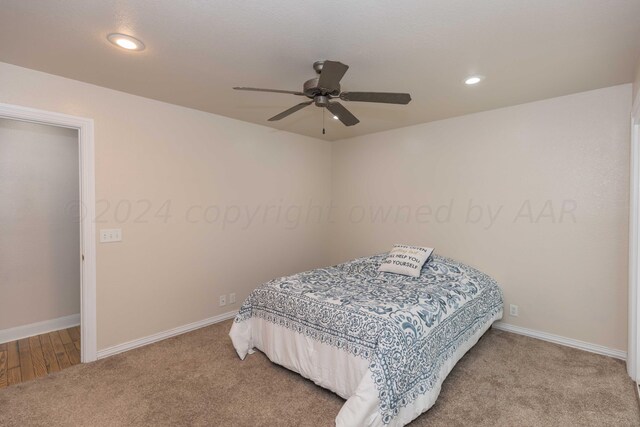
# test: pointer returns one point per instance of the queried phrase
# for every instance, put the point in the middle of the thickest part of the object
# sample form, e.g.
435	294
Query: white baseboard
19	332
569	342
120	348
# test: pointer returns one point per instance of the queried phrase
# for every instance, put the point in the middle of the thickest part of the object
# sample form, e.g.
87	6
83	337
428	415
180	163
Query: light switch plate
108	235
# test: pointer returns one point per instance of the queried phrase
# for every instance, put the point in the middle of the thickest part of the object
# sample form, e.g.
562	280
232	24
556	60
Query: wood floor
37	356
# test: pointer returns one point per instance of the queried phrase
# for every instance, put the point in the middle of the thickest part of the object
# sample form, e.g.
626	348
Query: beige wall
159	158
524	166
40	236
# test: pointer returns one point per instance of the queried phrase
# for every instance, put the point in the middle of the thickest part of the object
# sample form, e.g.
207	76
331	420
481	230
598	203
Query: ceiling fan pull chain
323	111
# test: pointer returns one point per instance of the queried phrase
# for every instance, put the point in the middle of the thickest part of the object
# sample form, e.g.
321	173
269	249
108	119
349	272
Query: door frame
87	207
633	353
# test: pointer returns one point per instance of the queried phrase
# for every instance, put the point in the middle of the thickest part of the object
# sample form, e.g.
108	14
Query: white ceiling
198	50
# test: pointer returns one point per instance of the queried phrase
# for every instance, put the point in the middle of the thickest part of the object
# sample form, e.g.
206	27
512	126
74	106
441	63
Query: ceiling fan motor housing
311	89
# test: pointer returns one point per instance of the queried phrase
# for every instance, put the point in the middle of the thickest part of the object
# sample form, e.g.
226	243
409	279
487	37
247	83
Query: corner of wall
636	83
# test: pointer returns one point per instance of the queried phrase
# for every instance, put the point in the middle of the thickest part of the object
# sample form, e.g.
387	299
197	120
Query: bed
384	342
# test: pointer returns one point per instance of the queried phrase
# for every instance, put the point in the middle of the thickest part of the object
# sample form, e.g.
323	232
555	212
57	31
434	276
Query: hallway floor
38	356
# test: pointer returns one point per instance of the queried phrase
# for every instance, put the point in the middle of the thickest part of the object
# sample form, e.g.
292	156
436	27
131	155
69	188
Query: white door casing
86	206
633	353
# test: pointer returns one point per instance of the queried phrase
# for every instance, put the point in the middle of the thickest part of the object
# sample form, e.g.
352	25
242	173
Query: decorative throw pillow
407	260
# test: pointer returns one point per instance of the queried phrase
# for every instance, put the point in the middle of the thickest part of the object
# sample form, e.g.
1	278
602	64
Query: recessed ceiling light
125	42
335	117
472	80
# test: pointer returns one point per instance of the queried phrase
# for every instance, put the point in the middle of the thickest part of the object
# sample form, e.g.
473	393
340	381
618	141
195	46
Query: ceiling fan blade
257	89
384	97
342	114
290	111
331	74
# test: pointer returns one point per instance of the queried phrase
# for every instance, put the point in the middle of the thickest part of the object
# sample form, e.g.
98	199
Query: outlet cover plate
513	310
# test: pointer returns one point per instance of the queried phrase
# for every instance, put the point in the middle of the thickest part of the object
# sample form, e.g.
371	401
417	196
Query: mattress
382	341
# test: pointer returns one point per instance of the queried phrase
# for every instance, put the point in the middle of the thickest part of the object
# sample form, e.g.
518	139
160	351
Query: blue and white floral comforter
409	331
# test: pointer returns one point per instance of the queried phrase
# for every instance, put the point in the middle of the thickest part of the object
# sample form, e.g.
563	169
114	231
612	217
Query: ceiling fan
324	88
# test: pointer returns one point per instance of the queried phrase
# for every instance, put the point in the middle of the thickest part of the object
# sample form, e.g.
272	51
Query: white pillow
407	260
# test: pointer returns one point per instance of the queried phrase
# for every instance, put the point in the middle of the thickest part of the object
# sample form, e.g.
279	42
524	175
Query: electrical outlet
232	298
513	310
108	235
223	300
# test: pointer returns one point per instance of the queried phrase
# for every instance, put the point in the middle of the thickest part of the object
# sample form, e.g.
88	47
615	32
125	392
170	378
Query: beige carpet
197	379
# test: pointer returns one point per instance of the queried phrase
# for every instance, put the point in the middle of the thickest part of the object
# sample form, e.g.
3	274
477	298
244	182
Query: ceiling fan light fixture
473	80
125	42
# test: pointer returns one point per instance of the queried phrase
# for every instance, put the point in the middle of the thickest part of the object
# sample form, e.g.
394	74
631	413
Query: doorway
38	220
40	253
